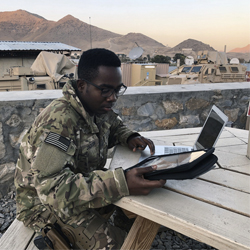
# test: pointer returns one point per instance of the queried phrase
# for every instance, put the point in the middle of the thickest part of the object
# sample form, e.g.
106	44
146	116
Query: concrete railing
141	108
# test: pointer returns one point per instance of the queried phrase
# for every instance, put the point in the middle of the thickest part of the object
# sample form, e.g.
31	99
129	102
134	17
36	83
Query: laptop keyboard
174	150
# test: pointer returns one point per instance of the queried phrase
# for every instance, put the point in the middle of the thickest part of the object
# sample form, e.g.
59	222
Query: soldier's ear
80	85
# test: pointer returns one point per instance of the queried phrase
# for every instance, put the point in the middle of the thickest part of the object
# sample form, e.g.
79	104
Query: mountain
21	25
123	44
192	44
72	31
241	50
240	53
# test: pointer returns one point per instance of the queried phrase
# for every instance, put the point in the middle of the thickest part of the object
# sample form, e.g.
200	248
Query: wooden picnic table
214	208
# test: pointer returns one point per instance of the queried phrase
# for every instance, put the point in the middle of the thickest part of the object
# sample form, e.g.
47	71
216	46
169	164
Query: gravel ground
166	239
169	239
7	211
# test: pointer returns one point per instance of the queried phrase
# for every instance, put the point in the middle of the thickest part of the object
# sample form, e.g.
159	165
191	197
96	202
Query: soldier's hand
137	185
140	142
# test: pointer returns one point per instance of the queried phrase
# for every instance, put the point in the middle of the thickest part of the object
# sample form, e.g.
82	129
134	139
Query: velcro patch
58	141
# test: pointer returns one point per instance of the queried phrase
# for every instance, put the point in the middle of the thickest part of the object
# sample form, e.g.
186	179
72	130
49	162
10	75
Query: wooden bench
17	237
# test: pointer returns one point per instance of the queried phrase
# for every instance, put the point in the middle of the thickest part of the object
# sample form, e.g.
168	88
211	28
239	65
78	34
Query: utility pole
90	38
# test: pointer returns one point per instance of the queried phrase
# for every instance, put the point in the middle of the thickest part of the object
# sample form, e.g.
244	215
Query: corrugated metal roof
45	46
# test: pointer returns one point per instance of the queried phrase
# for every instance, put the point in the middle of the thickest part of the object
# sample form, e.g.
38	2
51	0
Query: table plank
233	161
226	134
217	195
124	158
228	179
201	221
178	133
241	169
240	133
191	138
235	149
222	142
244	140
160	133
225	142
187	140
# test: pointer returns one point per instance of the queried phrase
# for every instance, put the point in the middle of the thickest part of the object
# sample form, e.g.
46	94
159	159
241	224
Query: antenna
90	38
135	52
189	60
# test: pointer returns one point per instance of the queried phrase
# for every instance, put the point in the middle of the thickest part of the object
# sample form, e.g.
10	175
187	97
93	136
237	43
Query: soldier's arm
72	193
119	133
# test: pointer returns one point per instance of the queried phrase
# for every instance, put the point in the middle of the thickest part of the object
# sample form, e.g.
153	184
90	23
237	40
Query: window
41	86
196	69
61	84
223	69
234	69
186	69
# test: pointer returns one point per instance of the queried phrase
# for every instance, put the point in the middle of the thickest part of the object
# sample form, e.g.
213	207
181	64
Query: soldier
60	177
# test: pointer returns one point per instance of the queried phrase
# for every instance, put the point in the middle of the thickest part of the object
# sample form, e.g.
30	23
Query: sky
214	22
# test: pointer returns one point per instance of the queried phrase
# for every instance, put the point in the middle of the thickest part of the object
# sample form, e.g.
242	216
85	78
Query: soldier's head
88	66
99	80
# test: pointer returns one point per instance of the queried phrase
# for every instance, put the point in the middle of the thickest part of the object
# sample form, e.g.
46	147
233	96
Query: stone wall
141	108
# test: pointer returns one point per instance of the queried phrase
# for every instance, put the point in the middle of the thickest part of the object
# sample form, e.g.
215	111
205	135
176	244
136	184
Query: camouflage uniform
61	166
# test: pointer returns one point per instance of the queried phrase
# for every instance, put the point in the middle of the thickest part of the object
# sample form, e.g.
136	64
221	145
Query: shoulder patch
58	141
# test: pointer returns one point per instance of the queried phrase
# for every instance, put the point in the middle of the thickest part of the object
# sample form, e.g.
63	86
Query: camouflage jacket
62	158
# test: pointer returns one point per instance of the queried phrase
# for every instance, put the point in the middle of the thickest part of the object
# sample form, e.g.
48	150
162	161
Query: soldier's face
92	97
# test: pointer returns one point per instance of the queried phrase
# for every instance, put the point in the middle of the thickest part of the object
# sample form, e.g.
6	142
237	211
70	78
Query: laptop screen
210	131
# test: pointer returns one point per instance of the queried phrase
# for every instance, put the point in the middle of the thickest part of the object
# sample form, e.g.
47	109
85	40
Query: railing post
248	124
248	145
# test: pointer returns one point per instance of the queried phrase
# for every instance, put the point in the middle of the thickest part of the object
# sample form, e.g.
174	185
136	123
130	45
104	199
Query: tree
181	57
161	59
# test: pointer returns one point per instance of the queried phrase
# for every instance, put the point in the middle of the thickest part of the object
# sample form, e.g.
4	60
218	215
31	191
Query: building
23	54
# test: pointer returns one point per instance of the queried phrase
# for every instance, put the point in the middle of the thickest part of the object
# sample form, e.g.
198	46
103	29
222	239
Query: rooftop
34	46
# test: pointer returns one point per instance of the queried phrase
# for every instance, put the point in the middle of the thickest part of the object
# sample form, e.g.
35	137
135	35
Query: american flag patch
58	141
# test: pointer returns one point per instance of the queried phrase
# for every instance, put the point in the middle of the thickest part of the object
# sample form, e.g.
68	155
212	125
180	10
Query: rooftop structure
14	48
